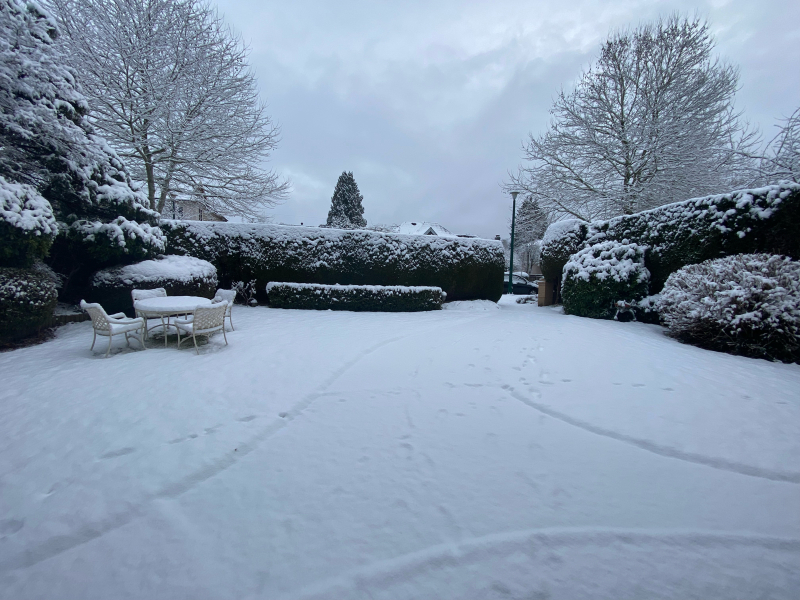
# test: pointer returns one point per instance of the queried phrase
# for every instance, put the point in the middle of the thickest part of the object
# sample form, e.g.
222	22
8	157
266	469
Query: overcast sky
428	102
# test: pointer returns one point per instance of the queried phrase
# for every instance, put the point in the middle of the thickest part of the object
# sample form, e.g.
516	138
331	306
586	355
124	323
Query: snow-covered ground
476	452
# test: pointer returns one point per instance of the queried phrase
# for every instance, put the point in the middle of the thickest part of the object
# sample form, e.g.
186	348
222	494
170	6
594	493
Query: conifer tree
531	223
50	154
346	210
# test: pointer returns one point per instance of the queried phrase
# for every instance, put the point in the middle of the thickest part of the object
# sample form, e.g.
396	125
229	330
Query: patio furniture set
193	315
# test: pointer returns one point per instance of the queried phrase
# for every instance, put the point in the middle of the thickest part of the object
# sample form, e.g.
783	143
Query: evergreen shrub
179	275
598	277
374	298
745	221
465	268
27	224
746	304
27	301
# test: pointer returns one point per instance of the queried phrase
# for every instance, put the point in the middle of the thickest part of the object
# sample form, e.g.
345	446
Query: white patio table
170	306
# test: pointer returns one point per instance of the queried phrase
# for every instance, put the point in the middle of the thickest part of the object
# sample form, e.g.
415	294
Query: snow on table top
175	268
171	304
449	454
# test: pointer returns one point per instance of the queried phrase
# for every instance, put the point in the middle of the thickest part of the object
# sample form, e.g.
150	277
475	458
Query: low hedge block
374	298
179	275
27	301
465	268
598	277
745	221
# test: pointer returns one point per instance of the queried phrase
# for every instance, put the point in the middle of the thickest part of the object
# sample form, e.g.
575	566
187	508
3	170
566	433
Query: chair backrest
229	295
98	315
208	318
145	294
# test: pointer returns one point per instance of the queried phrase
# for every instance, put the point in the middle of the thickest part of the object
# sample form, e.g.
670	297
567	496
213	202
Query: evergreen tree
346	210
47	145
531	223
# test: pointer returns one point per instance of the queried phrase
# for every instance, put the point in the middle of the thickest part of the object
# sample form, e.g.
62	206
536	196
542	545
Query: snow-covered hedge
119	240
376	298
27	224
179	275
599	276
746	304
757	220
466	269
27	300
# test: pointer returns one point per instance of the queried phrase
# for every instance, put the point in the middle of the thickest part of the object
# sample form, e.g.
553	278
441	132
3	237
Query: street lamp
511	261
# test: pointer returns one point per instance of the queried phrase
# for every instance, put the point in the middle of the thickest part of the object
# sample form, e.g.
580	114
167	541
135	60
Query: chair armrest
115	320
185	321
119	315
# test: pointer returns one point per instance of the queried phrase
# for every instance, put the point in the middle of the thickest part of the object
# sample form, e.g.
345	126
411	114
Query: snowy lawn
476	452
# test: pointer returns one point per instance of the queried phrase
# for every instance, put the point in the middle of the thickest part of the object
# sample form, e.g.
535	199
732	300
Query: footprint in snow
9	526
116	453
246	419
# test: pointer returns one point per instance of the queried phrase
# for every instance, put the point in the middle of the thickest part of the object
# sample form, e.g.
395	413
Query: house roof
423	228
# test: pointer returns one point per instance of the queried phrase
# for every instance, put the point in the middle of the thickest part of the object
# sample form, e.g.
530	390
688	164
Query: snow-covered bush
27	224
467	269
27	300
746	304
599	276
561	240
179	275
375	298
756	220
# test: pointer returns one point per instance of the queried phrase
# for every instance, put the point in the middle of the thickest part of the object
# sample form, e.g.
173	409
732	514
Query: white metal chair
111	325
206	320
229	296
143	295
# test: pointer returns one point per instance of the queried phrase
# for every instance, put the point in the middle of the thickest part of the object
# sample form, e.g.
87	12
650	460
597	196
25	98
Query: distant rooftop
424	228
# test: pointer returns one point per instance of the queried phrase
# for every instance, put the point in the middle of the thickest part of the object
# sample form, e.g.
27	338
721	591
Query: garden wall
465	268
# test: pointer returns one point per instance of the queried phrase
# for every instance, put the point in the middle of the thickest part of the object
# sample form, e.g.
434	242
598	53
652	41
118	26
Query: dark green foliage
356	298
747	304
347	211
758	220
596	278
466	269
564	239
19	248
27	300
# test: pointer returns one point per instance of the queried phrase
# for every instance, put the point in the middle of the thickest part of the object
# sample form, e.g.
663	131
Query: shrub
27	225
757	220
466	269
599	276
179	275
27	300
354	297
747	304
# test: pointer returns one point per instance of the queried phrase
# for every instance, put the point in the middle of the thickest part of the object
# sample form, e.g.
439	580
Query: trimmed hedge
746	304
745	221
598	277
27	301
466	269
376	298
179	275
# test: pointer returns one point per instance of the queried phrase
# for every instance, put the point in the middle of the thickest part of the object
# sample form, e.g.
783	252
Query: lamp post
511	260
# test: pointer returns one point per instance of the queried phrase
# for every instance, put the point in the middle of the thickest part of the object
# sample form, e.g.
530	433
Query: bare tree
783	157
651	122
170	87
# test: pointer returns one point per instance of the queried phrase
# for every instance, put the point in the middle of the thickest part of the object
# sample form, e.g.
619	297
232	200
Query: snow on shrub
746	304
756	220
27	300
464	268
179	275
598	277
377	298
561	240
118	240
27	224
